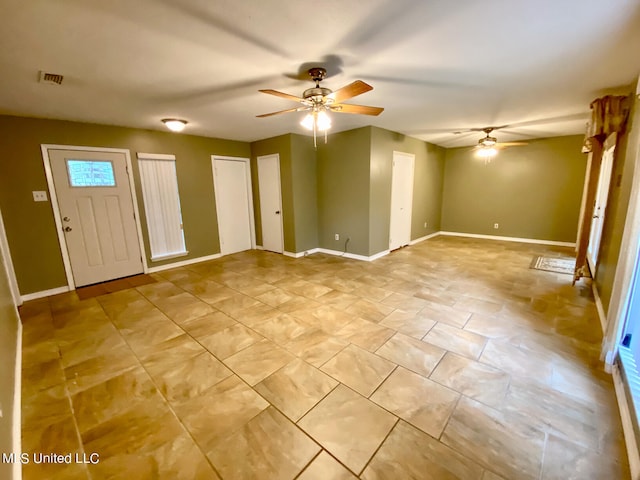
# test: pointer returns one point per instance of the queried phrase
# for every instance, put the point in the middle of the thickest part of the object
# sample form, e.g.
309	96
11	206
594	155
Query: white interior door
270	202
401	200
599	210
232	183
96	207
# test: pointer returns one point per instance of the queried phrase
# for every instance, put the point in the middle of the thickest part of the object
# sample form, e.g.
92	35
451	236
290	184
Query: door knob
67	229
277	212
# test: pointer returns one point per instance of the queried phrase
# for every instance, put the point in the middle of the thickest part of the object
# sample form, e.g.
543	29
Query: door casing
401	195
263	177
247	162
600	208
56	211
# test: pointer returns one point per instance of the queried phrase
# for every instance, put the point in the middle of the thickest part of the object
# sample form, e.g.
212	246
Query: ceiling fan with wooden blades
488	146
318	101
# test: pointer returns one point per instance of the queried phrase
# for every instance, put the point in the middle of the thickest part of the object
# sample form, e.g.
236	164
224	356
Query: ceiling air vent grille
51	78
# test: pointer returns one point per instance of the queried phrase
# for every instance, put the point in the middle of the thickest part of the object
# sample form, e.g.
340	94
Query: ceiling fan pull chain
314	133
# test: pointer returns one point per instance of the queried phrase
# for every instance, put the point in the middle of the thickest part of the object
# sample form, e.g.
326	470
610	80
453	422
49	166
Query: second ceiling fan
318	101
488	146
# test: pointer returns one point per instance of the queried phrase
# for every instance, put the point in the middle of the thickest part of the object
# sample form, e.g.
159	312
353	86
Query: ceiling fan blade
299	109
283	95
482	129
360	109
349	91
511	144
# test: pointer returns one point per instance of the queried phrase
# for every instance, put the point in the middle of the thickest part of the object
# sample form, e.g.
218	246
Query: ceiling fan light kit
318	119
487	153
487	141
319	101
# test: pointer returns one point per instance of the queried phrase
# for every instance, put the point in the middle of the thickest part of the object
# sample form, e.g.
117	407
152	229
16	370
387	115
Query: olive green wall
427	186
343	190
341	187
9	325
531	191
298	185
617	205
305	192
380	172
30	226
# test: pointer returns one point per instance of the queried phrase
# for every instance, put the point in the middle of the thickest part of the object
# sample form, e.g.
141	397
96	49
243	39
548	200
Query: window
90	173
630	349
162	205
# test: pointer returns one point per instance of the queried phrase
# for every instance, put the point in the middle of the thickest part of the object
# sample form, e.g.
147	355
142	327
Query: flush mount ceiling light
174	124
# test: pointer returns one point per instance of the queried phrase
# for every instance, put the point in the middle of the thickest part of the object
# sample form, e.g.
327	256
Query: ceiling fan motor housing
317	95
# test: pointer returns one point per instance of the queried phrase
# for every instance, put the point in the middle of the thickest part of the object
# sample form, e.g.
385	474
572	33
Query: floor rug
565	265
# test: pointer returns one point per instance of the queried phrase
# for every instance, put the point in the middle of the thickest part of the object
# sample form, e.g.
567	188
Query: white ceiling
437	66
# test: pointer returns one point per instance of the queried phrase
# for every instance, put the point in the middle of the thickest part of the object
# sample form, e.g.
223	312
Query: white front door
96	208
599	210
270	202
401	200
232	183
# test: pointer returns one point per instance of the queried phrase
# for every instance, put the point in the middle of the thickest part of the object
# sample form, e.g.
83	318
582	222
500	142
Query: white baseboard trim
601	313
184	263
378	255
301	254
509	239
627	424
426	237
44	293
353	256
17	403
259	247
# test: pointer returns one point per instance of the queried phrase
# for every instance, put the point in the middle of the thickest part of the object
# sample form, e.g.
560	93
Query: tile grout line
155	384
499	409
373	455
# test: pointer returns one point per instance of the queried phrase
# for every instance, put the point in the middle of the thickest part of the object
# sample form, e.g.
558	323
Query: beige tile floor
448	359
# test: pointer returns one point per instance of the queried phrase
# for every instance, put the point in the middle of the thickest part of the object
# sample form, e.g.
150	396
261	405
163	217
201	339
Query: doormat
114	286
564	265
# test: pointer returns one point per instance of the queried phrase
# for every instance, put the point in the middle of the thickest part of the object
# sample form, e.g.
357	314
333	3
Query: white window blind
162	205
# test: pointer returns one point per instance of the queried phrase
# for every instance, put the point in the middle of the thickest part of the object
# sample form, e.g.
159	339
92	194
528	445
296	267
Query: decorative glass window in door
91	173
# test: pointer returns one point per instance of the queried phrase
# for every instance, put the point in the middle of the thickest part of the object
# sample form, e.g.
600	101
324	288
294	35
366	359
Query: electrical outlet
39	196
425	224
337	236
495	225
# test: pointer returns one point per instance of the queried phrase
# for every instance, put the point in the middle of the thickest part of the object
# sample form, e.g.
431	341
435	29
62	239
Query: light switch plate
40	196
